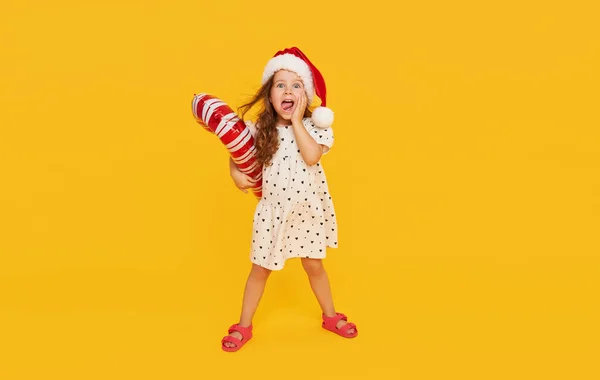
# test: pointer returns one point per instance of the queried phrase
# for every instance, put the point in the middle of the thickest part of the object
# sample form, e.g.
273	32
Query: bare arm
241	180
310	150
232	166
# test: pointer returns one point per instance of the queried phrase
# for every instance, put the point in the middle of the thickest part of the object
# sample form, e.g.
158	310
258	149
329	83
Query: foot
236	335
341	323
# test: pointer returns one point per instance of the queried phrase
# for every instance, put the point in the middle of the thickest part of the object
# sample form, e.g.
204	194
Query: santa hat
293	59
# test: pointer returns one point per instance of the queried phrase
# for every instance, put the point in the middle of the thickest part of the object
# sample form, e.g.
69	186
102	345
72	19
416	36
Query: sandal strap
336	318
231	339
331	322
245	331
347	327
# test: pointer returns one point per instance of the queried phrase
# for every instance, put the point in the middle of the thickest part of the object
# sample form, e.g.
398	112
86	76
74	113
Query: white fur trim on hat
292	63
322	117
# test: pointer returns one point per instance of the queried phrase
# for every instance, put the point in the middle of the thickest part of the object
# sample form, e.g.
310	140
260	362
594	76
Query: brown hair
266	139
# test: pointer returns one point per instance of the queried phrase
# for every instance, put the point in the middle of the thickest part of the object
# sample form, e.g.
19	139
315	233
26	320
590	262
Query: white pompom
322	117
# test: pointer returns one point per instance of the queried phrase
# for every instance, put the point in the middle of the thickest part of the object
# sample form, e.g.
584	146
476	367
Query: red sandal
246	336
330	323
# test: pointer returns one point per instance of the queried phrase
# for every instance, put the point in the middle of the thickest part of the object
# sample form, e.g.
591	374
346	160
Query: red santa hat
293	59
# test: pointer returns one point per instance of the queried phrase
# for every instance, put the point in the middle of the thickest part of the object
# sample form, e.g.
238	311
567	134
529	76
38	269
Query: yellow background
466	177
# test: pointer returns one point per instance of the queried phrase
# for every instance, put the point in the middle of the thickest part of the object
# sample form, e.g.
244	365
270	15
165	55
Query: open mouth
287	105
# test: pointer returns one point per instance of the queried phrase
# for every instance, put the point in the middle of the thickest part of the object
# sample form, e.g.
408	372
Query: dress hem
280	267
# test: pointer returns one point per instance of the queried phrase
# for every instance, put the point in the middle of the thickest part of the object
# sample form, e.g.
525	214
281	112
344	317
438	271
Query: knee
259	273
313	267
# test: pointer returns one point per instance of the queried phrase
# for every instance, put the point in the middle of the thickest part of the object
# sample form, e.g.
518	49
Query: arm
241	180
232	167
310	150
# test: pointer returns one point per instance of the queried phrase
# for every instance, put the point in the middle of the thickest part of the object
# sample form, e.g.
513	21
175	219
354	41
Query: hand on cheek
300	108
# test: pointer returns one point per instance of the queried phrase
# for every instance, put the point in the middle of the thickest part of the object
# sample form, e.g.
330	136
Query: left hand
298	114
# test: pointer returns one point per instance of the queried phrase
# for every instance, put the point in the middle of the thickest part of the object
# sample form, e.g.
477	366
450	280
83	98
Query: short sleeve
323	136
251	127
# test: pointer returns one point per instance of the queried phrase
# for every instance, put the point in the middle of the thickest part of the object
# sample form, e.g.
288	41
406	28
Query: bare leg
255	286
319	282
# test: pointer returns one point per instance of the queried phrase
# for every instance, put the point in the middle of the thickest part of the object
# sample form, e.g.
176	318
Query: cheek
275	93
275	101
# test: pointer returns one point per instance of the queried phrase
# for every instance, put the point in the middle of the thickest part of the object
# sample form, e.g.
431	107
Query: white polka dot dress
295	216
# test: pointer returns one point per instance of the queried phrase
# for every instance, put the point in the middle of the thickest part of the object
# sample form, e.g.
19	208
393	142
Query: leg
319	282
255	286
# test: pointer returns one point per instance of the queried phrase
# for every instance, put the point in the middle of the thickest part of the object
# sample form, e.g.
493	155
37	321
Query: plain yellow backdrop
465	173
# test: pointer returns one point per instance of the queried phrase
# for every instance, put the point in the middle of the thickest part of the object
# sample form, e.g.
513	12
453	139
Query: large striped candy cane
218	118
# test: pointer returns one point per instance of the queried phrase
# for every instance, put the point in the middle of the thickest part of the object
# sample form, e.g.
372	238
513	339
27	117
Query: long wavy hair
266	139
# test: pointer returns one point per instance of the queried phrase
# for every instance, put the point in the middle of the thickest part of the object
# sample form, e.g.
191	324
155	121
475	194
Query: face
285	93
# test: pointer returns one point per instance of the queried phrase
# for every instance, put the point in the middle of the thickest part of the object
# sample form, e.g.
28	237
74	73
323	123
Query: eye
280	85
297	85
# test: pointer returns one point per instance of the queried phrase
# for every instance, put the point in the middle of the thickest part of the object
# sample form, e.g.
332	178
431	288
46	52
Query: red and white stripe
218	118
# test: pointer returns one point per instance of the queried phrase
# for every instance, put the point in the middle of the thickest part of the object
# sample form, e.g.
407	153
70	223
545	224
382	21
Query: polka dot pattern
295	217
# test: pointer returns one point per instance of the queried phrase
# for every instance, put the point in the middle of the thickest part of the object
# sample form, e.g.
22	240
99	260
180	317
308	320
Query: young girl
295	217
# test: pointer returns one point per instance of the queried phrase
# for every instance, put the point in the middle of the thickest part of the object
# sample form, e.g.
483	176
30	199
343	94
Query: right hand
298	113
242	181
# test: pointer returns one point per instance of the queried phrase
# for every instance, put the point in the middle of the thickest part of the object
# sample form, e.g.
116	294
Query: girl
295	216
